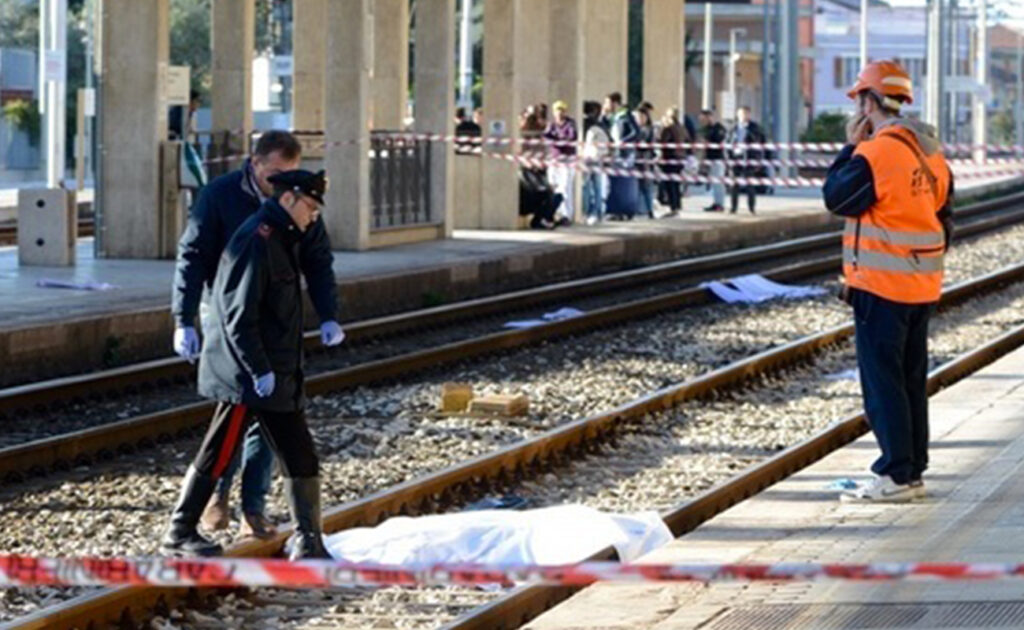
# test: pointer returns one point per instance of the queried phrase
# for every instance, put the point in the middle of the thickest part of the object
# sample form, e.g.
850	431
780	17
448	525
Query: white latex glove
186	343
331	333
264	385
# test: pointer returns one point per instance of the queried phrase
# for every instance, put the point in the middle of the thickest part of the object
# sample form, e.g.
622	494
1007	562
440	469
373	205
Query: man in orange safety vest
892	185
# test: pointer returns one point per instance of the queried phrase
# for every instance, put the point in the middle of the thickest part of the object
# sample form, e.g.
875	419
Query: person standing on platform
623	191
645	157
894	187
222	207
671	136
714	135
562	172
466	128
595	157
251	365
746	160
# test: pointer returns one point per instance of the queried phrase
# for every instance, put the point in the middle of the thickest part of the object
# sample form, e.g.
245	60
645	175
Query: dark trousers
287	434
670	193
257	463
892	353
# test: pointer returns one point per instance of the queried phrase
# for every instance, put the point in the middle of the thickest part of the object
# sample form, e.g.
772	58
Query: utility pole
1019	114
466	56
733	32
863	33
933	106
980	116
788	76
766	70
53	81
706	99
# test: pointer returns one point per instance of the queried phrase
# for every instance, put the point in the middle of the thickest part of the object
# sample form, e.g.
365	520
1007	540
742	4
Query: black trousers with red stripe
287	434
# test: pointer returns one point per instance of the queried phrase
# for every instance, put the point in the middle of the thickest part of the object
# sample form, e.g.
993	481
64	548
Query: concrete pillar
309	50
664	53
390	77
605	61
566	55
232	40
435	102
508	88
134	47
347	91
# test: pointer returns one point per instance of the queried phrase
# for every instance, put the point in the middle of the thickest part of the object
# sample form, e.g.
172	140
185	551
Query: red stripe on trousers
227	447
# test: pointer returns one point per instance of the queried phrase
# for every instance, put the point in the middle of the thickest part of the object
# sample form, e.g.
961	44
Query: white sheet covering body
562	534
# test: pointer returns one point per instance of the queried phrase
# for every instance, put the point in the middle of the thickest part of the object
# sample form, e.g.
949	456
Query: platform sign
177	85
55	66
89	101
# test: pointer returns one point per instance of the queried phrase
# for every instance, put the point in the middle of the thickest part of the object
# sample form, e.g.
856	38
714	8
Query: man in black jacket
713	133
746	161
223	206
252	364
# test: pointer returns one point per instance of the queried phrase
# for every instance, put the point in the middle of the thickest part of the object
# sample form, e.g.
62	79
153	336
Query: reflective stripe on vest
894	237
897	264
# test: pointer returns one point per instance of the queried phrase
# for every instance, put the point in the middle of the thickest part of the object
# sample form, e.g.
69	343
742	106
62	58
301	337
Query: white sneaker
591	220
919	491
882	490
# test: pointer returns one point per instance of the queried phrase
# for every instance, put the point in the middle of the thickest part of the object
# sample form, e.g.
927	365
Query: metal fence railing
399	181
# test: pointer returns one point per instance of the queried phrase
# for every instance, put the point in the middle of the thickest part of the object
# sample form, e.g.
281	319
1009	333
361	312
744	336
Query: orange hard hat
884	78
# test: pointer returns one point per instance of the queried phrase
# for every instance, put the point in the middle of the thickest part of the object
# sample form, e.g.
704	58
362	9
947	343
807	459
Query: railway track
9	233
103	441
452	486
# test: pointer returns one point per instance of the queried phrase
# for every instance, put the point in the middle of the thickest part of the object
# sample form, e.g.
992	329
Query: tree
19	24
190	41
827	127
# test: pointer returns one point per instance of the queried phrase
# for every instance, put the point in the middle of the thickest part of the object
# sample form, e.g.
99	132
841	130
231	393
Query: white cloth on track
563	534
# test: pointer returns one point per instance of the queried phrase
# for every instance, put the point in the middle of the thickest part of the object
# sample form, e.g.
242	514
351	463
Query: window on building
846	69
914	66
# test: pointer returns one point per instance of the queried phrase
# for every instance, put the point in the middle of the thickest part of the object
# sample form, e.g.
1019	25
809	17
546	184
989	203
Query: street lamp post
466	56
863	33
733	32
705	97
1019	114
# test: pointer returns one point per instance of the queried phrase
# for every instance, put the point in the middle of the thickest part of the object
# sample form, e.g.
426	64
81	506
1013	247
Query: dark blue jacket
221	209
255	320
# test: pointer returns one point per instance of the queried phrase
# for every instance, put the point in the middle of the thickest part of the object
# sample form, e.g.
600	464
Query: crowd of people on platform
654	151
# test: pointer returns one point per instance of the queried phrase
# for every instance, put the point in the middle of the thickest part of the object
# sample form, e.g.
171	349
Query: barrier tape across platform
26	571
990	168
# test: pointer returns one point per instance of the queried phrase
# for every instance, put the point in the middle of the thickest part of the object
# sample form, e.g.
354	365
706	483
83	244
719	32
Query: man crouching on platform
251	365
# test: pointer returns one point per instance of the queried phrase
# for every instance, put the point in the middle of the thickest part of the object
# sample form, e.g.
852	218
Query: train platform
974	513
117	311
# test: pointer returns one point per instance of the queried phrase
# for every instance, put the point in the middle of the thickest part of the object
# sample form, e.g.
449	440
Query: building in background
753	88
20	153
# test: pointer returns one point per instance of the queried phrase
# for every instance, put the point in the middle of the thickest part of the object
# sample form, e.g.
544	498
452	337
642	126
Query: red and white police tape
25	571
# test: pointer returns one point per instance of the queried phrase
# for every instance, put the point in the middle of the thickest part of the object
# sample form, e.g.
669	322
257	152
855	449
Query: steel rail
463	481
103	441
523	604
52	392
79	447
64	450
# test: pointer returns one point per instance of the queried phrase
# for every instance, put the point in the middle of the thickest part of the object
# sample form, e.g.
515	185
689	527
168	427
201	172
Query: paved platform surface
975	513
147	283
